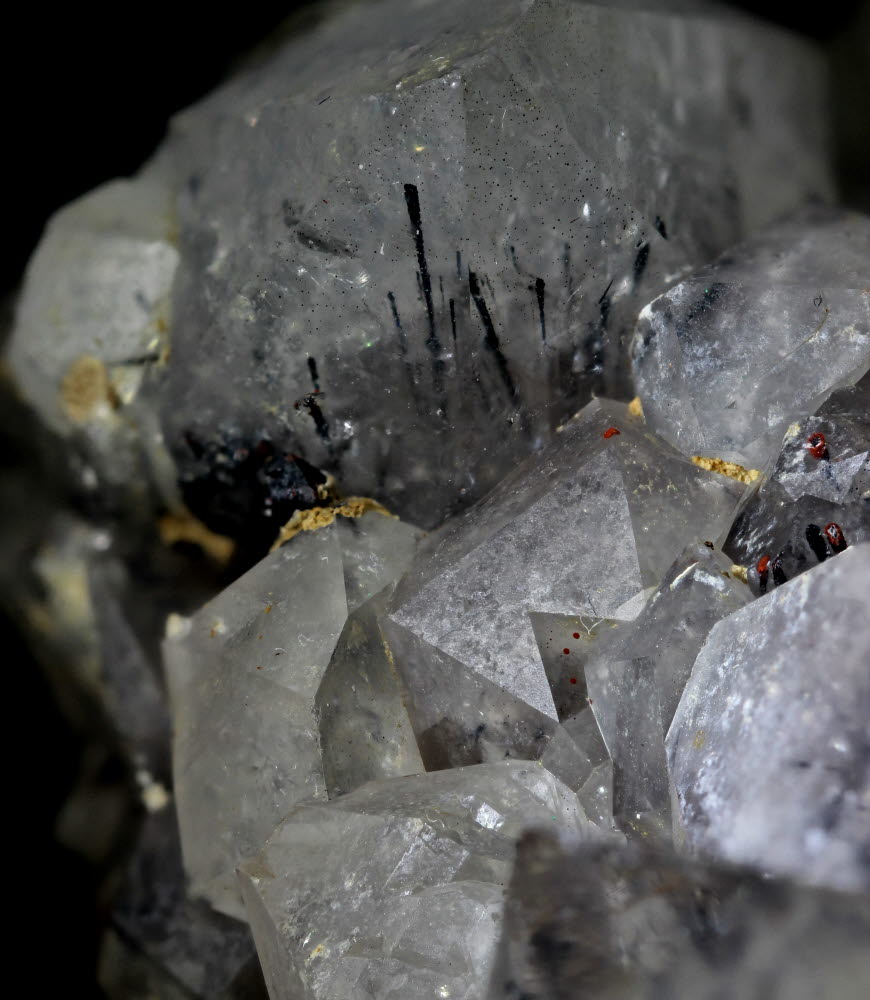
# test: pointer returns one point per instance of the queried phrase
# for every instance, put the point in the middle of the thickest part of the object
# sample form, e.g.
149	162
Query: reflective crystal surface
728	358
818	490
604	921
407	242
393	258
637	676
770	743
580	530
255	672
395	891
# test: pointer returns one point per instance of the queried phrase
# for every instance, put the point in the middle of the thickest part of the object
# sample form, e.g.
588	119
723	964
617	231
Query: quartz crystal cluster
396	889
423	280
282	691
409	242
728	358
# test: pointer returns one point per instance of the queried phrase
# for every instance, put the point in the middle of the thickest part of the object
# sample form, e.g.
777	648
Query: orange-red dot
611	431
763	563
817	445
566	651
576	635
573	680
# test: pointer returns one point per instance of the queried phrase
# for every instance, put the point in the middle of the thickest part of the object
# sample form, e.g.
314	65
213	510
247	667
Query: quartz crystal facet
419	255
727	359
816	500
581	530
770	742
409	243
638	674
396	890
281	692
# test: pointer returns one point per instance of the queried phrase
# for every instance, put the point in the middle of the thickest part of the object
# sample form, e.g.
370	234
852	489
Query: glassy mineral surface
637	676
280	693
770	743
396	890
639	923
816	500
393	255
728	358
582	530
408	243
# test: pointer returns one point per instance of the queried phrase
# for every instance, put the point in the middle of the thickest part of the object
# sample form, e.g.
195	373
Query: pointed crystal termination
770	743
576	752
280	694
816	501
395	891
728	358
581	530
602	921
420	214
637	673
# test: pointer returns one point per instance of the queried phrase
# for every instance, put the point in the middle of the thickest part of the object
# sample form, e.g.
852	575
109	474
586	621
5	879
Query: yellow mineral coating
740	572
635	408
731	469
85	388
321	517
184	527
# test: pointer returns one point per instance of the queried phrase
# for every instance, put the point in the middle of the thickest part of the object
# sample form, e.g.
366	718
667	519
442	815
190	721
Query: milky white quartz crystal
770	744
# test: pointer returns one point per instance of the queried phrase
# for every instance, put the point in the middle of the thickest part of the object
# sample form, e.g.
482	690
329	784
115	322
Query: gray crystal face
726	360
395	891
470	212
638	672
431	232
169	940
580	531
769	747
280	694
816	499
603	921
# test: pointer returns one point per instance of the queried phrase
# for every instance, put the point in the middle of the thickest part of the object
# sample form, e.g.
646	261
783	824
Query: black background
86	96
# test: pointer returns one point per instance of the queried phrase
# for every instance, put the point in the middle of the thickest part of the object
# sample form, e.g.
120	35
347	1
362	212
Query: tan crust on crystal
740	573
85	388
635	408
321	517
730	469
184	527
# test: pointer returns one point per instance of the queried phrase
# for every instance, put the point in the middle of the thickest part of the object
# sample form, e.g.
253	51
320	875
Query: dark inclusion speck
246	491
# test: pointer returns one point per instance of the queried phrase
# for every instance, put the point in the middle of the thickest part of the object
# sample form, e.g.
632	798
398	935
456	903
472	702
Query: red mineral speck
566	651
835	536
763	564
611	431
576	635
816	445
573	680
